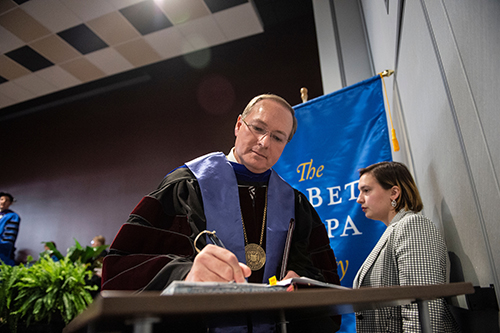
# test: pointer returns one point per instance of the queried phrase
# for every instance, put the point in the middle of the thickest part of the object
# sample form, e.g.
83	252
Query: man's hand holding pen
216	264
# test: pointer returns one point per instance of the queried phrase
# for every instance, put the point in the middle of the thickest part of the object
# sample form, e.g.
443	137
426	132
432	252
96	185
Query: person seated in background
47	250
99	241
96	278
410	252
245	201
9	228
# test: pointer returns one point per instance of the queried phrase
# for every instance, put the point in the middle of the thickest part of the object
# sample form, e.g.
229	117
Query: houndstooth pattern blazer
410	252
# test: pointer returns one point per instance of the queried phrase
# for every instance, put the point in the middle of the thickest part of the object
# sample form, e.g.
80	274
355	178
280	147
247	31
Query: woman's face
375	200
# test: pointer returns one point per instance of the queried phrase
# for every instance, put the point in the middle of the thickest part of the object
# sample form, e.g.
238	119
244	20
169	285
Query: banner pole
395	143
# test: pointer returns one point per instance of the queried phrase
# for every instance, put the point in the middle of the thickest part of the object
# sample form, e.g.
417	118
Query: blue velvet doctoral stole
221	203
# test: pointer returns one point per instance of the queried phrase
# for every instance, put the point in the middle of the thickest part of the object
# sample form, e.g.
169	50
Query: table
114	311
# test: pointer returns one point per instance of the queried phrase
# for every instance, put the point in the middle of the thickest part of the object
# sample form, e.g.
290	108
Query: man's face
259	144
5	202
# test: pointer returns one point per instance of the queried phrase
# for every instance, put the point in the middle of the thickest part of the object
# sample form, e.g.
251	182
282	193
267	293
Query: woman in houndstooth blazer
410	252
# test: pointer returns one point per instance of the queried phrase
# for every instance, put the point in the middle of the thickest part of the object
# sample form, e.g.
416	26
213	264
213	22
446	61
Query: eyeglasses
261	132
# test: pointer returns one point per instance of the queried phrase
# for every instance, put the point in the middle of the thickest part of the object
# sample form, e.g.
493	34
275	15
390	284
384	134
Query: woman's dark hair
389	174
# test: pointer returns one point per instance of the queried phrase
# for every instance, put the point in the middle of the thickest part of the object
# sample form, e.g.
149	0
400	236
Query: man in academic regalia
251	208
9	228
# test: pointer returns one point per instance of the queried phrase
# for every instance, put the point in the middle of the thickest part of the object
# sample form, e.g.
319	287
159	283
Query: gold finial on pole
395	143
303	94
387	73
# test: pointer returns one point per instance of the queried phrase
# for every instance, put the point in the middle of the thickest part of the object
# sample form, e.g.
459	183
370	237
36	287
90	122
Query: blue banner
337	135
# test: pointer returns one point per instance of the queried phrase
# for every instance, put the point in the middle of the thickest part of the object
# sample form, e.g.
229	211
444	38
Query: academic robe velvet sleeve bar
155	246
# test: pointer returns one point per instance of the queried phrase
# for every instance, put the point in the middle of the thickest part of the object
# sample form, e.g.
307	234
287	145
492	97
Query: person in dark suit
410	252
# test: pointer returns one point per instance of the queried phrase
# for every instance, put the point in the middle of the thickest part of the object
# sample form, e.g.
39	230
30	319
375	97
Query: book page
183	287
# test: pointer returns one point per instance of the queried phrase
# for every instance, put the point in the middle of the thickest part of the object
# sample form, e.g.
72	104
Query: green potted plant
47	292
88	255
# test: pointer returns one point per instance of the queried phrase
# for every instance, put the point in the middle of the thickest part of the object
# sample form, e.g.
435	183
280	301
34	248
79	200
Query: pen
216	240
213	238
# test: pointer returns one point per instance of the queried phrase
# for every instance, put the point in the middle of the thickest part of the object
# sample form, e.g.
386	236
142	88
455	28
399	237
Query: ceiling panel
58	77
23	25
169	43
146	17
10	70
56	49
202	33
35	84
5	100
88	9
238	22
15	92
29	58
50	45
138	52
119	4
83	70
82	39
51	14
220	5
113	28
180	11
110	61
6	5
8	41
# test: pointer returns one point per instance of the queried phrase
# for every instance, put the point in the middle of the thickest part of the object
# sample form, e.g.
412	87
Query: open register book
183	287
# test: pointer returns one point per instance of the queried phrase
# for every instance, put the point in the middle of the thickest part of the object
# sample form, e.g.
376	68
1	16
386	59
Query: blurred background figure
9	228
49	251
99	241
96	242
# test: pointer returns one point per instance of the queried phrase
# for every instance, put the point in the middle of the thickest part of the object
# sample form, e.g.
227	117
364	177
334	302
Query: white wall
343	50
453	162
445	106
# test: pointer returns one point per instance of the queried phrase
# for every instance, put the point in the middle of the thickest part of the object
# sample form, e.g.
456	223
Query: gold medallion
255	256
